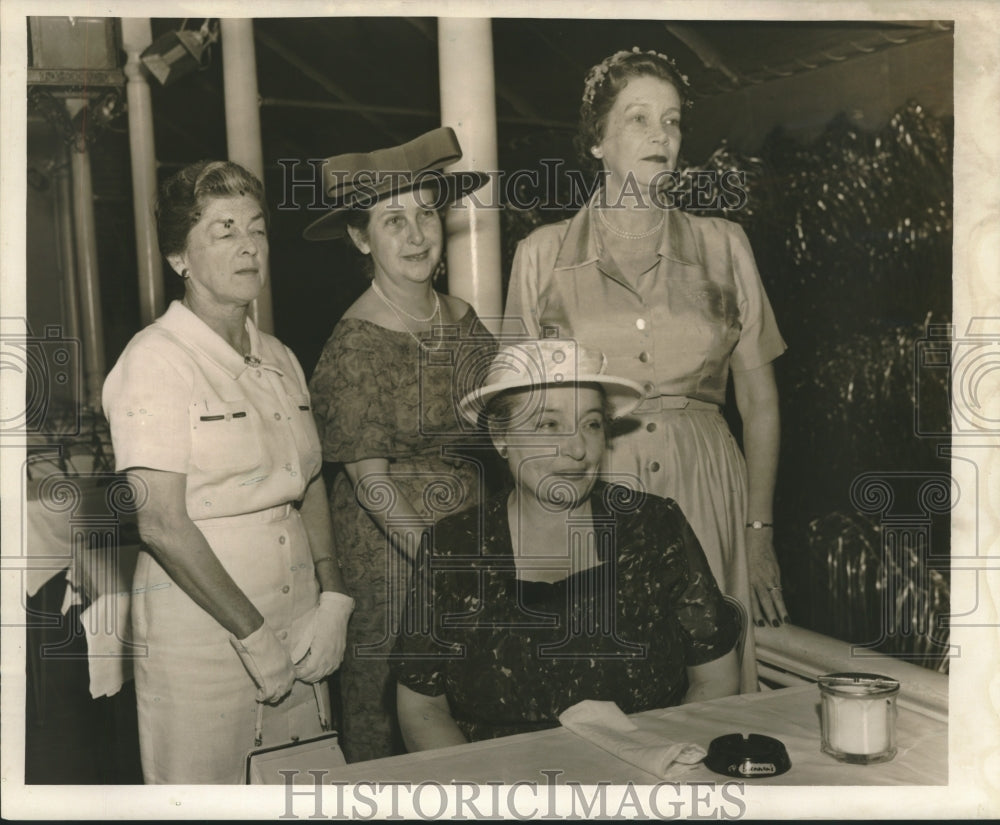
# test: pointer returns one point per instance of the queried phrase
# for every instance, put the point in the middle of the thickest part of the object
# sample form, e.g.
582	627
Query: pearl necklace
396	310
632	236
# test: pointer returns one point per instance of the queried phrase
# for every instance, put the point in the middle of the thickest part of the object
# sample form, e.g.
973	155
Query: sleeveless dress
700	313
378	394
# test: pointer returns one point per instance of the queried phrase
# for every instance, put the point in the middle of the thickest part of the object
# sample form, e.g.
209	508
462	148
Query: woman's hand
267	662
757	400
765	579
321	637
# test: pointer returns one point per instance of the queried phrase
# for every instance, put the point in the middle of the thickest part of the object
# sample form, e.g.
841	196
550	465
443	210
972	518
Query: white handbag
277	764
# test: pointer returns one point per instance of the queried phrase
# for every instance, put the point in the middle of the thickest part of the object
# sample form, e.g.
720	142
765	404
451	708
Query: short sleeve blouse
702	310
502	649
180	399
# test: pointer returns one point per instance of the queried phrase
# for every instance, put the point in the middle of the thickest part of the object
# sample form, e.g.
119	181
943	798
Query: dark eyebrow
259	216
648	103
587	412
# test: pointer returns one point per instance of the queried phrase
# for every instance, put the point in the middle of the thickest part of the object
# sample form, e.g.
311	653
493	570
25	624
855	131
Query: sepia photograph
535	411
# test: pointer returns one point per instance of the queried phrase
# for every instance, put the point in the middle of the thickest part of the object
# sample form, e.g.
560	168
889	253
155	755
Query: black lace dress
511	655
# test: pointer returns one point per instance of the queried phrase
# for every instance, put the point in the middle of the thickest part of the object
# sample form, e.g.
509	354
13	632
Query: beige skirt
691	456
196	702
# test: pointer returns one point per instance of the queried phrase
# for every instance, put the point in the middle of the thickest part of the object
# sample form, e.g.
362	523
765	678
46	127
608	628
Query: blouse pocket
704	329
306	437
224	436
706	302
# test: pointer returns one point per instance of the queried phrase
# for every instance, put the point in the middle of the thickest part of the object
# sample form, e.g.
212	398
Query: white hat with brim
551	362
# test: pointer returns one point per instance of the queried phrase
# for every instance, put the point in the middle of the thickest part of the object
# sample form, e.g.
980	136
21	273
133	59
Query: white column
239	72
67	248
136	35
465	68
91	321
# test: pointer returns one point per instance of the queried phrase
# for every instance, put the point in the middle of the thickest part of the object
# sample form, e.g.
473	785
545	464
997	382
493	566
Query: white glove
267	662
322	637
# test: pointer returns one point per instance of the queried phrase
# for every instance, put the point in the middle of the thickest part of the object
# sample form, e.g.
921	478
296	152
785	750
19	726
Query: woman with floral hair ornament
676	303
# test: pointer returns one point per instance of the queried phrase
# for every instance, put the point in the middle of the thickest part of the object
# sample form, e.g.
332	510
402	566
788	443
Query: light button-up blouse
702	310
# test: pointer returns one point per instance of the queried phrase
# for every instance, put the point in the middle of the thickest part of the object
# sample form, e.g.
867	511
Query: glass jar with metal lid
859	716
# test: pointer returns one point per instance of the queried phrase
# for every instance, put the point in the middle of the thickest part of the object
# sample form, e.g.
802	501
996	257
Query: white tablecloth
94	543
790	715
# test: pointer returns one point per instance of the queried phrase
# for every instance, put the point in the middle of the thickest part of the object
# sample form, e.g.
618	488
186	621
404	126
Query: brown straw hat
361	179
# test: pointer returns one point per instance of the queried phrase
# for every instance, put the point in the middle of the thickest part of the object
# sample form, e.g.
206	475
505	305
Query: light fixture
178	53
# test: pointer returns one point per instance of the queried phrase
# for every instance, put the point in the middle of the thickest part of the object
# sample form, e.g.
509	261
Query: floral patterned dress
376	393
511	655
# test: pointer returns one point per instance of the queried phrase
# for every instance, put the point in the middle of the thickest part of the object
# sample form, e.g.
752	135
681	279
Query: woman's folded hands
319	638
268	663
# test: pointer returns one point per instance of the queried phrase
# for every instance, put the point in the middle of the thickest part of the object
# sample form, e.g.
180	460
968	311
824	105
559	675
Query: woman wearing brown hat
384	394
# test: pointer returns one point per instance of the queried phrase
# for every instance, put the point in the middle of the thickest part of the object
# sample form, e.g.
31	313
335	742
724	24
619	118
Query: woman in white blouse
238	601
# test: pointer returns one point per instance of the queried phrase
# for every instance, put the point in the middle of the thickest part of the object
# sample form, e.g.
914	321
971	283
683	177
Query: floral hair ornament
599	73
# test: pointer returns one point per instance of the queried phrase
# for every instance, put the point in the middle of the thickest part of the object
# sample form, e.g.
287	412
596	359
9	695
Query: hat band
366	187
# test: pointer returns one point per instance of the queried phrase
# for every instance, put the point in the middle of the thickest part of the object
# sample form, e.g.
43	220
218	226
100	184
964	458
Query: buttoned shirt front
181	399
677	330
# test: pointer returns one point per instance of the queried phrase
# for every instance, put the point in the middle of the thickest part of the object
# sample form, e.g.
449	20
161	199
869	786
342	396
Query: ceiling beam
850	48
329	85
517	102
703	50
401	111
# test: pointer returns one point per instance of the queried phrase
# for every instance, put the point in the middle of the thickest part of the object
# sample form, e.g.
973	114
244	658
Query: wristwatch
759	525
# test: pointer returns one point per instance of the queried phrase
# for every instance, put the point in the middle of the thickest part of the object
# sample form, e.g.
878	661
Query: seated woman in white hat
564	587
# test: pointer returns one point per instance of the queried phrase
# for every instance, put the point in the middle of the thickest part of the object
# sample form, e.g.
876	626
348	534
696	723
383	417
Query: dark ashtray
746	757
